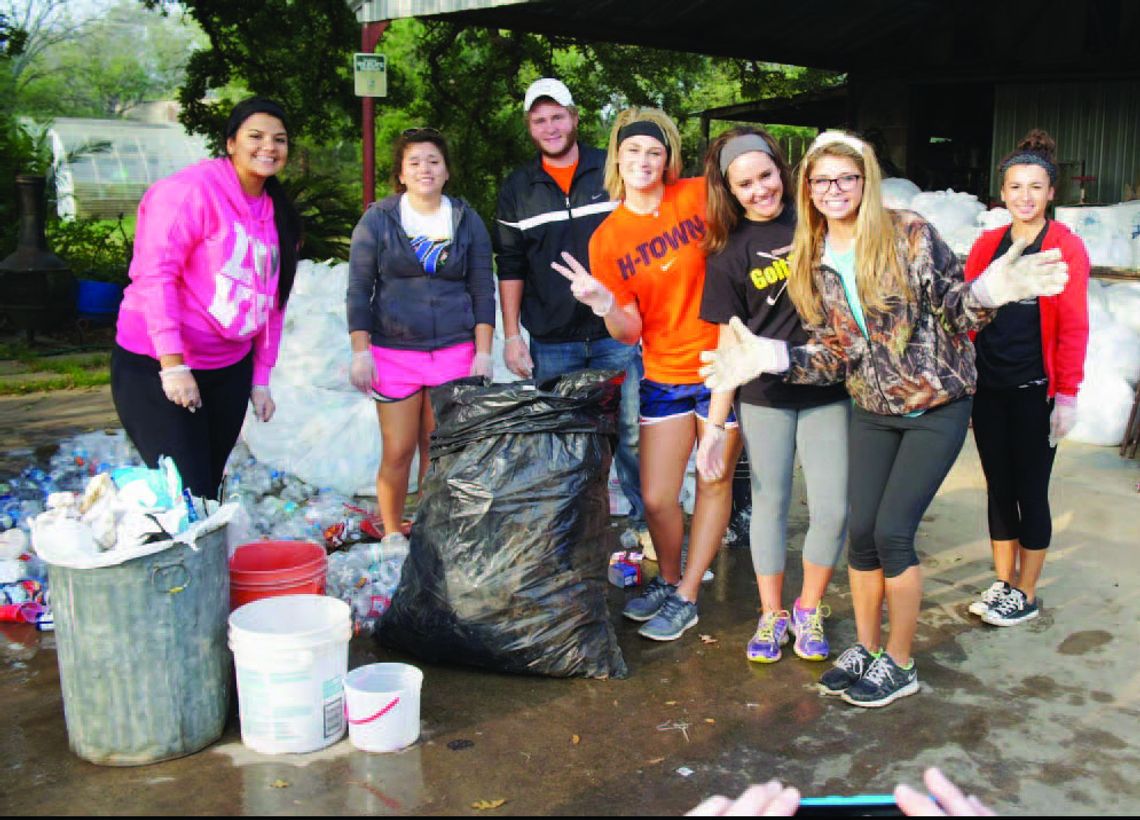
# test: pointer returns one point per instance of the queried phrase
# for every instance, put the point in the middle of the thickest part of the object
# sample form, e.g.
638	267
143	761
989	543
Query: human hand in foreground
584	287
481	365
263	405
771	800
180	386
945	799
1013	277
729	367
516	357
710	452
776	800
1063	418
363	371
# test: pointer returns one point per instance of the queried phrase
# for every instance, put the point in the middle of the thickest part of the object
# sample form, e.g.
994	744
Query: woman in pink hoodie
200	323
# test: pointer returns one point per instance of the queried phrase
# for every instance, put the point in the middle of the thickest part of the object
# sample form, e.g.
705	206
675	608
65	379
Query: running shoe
991	596
884	683
676	616
649	602
1012	609
807	625
849	668
771	634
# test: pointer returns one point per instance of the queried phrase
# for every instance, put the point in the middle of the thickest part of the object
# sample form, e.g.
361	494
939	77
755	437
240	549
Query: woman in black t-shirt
751	220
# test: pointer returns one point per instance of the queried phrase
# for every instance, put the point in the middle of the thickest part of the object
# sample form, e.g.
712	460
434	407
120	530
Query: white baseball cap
547	87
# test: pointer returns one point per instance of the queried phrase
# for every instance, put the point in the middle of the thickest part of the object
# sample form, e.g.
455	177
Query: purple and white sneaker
807	625
771	634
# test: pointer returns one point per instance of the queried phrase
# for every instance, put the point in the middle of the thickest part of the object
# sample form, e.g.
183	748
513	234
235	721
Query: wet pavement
1042	718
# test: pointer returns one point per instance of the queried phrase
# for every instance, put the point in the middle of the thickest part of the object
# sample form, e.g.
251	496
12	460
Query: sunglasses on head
425	131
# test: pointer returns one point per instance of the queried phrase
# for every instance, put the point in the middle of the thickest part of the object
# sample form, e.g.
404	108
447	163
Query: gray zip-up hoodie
400	305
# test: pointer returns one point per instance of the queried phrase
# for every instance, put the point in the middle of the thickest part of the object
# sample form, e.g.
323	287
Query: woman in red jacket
1031	362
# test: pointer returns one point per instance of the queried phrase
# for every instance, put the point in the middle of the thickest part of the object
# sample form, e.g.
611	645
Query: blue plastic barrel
97	299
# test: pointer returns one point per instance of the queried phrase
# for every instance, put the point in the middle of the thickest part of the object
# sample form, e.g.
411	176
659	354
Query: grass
37	373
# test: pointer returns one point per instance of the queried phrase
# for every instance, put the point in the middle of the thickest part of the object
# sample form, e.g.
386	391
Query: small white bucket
291	655
382	702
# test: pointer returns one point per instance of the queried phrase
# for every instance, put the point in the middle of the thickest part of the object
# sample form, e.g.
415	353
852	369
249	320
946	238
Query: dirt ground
1039	719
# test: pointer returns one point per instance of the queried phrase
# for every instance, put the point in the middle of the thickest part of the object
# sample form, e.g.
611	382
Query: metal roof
927	39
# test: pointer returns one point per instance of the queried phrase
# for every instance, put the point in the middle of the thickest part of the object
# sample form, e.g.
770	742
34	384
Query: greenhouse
111	181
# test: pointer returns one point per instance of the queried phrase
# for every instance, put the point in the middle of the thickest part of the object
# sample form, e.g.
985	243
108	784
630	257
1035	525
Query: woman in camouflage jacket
889	311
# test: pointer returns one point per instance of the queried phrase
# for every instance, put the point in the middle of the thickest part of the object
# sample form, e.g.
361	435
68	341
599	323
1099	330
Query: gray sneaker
849	669
1012	609
670	623
649	602
884	683
997	591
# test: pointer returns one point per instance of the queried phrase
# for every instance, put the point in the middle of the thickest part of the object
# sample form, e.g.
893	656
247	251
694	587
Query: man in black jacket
550	205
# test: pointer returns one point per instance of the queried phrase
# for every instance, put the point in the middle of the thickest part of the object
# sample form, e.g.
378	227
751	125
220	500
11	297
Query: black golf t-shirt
749	279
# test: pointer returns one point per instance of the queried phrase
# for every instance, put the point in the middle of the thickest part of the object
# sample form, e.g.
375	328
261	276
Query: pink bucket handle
376	716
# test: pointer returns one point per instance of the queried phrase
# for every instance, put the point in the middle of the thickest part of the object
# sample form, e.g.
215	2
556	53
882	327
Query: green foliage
93	248
329	213
110	66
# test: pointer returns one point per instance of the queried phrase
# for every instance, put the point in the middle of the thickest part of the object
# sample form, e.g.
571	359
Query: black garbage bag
509	549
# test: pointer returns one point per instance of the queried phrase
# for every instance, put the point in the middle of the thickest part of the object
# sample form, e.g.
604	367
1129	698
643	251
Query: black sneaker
849	668
1011	609
884	683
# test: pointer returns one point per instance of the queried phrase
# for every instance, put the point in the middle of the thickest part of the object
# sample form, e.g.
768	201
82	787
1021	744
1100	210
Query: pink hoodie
204	273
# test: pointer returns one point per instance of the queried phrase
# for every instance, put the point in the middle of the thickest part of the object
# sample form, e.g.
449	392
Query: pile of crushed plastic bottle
277	506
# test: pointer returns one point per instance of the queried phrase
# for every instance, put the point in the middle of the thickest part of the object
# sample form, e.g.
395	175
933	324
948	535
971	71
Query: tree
42	24
124	58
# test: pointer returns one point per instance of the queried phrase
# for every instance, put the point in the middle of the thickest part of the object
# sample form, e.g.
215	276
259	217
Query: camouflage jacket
917	354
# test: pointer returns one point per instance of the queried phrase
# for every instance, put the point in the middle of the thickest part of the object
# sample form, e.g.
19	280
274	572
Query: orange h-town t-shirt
656	261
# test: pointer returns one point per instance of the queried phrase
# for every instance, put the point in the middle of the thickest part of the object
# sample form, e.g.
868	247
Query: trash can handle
176	588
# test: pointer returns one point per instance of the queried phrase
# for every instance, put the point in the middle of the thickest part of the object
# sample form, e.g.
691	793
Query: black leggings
895	466
199	442
1011	428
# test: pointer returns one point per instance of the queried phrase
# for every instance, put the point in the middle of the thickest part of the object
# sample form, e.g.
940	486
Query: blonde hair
879	270
615	186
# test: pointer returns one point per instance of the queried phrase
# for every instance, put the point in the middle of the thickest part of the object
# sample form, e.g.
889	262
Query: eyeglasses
425	131
845	183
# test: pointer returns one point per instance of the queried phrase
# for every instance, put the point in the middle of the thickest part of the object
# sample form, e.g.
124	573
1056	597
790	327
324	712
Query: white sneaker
991	596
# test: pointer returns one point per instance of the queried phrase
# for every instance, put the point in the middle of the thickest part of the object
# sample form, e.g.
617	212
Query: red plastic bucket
265	569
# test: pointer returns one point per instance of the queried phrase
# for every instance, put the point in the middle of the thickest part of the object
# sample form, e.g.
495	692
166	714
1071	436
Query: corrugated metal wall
1098	122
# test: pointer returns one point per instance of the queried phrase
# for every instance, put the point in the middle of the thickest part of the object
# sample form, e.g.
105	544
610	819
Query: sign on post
370	74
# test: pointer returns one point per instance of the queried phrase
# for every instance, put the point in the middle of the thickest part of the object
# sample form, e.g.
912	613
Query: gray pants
774	435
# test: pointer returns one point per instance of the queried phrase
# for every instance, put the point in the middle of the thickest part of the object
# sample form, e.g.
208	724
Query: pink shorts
401	374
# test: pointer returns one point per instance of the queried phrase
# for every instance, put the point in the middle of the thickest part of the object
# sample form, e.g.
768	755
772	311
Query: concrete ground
1039	719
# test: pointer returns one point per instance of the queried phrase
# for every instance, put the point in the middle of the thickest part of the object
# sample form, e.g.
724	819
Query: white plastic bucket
383	706
291	655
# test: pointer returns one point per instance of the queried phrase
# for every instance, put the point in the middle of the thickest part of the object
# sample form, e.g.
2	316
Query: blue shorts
666	401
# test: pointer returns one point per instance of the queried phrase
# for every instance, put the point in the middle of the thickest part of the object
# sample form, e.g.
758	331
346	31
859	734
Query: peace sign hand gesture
584	287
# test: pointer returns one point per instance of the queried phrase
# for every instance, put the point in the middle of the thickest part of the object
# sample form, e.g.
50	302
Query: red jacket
1065	317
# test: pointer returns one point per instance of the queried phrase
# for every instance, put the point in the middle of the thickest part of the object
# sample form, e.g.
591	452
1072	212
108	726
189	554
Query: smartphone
860	805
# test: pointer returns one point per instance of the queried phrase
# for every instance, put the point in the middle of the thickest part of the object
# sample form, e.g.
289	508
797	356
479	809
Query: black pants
1011	428
895	466
199	442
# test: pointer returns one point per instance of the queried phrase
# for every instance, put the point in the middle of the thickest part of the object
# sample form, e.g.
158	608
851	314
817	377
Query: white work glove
1014	277
516	357
730	367
1063	418
180	386
262	401
363	371
710	453
481	365
584	287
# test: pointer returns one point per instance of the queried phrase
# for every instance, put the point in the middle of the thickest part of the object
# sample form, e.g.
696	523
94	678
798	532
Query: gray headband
742	144
1031	158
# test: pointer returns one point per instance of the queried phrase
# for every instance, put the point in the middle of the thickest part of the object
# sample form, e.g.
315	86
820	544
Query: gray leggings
774	435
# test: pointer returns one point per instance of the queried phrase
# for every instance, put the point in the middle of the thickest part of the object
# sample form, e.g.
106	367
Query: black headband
1031	158
644	128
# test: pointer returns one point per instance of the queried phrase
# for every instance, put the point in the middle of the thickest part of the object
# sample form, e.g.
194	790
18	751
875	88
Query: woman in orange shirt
648	276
